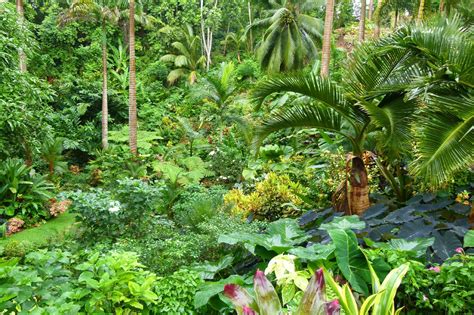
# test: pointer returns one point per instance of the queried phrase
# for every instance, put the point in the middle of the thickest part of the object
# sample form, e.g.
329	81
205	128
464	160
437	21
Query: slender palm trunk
362	21
371	9
132	110
105	109
359	187
21	17
441	6
395	19
326	50
421	9
377	13
250	24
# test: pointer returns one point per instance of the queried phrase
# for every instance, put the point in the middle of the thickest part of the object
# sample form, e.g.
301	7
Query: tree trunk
421	9
105	109
21	17
441	6
358	187
326	50
395	19
51	169
132	110
362	21
377	13
371	9
250	24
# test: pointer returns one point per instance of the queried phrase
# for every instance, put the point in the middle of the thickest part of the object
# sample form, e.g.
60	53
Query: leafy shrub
166	248
22	193
176	292
116	282
126	212
275	197
44	284
197	204
434	289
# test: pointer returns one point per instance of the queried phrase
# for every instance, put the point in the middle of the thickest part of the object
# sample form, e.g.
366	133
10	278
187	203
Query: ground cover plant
236	157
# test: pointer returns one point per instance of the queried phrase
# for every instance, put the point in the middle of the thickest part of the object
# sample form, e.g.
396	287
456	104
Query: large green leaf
280	236
344	223
469	239
313	252
350	259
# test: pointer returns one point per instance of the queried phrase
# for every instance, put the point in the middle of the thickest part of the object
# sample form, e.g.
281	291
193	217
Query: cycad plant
421	71
291	37
187	56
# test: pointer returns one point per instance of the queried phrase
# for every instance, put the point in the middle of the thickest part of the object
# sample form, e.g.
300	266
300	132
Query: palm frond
309	116
444	141
313	86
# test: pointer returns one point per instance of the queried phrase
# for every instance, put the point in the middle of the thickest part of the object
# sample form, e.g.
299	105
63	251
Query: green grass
43	234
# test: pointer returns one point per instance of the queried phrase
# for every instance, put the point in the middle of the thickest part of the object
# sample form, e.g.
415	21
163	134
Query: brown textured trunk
362	21
132	110
441	6
326	49
377	13
395	19
51	168
358	187
371	9
105	109
21	17
421	10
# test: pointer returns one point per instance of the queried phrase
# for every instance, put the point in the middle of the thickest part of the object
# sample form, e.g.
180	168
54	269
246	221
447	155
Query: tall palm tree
21	18
326	50
132	109
379	97
187	56
421	10
362	21
102	13
291	36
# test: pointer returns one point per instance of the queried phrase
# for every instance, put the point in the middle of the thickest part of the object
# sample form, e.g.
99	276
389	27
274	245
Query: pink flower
333	307
248	311
459	250
435	269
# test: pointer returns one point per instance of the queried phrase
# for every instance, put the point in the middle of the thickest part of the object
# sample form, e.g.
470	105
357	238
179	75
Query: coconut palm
21	17
291	36
187	56
102	13
383	85
132	94
326	50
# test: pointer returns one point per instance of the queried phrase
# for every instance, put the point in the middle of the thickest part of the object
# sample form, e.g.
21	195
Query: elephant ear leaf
469	239
350	259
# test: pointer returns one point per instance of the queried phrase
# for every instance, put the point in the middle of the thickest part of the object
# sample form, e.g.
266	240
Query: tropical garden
237	157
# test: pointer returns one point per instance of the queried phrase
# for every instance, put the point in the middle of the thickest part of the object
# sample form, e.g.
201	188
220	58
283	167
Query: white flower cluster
114	207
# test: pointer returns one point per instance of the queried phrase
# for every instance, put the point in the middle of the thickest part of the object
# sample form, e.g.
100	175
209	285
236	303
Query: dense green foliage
350	191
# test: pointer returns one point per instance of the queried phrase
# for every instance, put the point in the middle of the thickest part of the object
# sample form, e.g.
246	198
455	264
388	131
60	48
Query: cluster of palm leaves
405	97
291	35
187	56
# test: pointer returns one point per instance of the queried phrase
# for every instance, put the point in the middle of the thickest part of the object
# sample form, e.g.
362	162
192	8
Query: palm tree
132	109
362	21
291	36
237	40
187	57
421	10
379	97
219	90
97	12
326	51
21	18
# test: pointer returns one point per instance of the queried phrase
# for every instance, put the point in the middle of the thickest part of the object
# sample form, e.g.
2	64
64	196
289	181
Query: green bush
128	211
176	292
22	193
198	204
